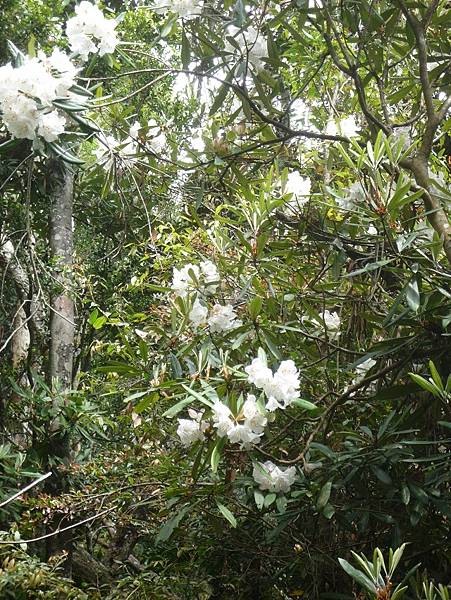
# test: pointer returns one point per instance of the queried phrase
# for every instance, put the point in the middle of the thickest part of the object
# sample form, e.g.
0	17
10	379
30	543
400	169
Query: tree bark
60	181
62	327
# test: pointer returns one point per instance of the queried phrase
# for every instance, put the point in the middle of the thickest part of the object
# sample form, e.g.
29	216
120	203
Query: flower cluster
331	322
223	318
347	127
281	387
198	313
361	371
28	91
202	278
90	32
272	478
299	188
355	196
128	148
185	9
192	430
245	429
252	45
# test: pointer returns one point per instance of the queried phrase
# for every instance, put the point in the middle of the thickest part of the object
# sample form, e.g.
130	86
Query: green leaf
405	494
227	514
254	307
65	154
99	322
198	396
426	385
239	14
174	410
324	495
305	404
281	504
216	454
259	499
328	511
168	528
435	376
413	295
186	50
222	94
270	498
167	26
358	576
175	365
9	144
381	475
135	396
370	267
93	316
31	46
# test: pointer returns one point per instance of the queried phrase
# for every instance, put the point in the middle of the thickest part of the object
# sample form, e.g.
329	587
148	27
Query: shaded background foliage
376	472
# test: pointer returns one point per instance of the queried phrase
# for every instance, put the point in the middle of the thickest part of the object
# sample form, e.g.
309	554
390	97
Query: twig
58	530
25	489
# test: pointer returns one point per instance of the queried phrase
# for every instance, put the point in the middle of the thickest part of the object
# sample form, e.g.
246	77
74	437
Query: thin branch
58	530
325	416
430	13
419	32
26	488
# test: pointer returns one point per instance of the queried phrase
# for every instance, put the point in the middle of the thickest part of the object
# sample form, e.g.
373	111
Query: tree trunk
62	327
60	181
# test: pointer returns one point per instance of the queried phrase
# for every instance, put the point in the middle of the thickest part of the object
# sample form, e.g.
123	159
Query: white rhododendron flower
285	385
63	69
198	314
183	280
28	91
210	275
246	429
362	369
252	44
222	417
273	478
348	127
156	139
106	150
186	9
21	116
355	196
259	373
223	318
192	430
241	433
299	187
51	125
89	31
281	388
254	418
331	321
203	278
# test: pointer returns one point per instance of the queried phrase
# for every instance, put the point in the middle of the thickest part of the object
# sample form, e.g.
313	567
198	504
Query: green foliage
368	437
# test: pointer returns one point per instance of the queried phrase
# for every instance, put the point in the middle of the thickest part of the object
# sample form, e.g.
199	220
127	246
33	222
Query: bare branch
419	32
25	489
58	530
